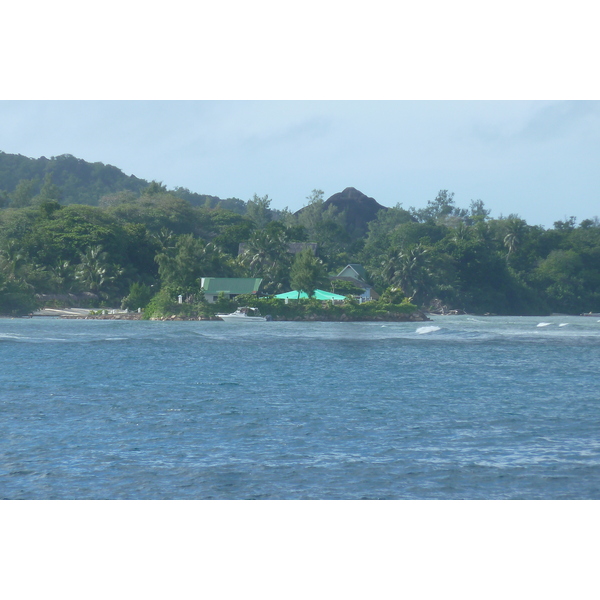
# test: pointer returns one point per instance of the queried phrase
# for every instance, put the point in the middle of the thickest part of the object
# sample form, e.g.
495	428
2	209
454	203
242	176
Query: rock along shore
79	313
343	319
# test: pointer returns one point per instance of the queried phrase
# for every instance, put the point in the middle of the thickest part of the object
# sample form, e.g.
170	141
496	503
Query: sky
536	159
236	99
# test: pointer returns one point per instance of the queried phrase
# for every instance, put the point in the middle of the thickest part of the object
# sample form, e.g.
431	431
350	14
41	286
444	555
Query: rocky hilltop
358	209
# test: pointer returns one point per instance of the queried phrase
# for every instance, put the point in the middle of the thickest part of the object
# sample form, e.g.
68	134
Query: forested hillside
71	180
125	241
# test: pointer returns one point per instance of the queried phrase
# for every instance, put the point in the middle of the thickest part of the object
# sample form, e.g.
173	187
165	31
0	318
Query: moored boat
244	313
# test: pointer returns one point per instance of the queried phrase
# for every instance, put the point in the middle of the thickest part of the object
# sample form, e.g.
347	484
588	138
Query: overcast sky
237	98
538	159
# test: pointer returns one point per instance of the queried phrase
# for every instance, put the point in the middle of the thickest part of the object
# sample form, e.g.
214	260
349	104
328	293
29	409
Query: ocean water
457	408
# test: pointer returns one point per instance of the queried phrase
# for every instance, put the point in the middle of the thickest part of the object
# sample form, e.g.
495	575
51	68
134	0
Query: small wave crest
427	329
543	324
10	336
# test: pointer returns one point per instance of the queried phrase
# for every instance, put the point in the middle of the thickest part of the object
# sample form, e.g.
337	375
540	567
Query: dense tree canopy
134	238
308	273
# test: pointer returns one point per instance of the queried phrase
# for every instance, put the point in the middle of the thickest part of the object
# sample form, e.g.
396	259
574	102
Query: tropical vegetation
72	232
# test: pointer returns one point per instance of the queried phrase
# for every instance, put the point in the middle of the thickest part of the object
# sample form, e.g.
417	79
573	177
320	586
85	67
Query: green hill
76	181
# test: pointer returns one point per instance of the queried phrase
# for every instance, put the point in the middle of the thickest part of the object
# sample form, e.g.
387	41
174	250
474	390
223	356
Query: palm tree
515	229
408	269
12	259
461	232
166	238
481	231
92	269
266	255
218	262
60	276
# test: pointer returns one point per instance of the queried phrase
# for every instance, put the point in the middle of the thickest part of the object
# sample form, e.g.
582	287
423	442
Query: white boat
244	313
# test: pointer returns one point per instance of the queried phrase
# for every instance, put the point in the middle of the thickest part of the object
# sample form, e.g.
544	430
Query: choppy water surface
459	407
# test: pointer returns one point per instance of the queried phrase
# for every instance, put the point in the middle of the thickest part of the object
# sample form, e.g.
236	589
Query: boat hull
244	319
246	314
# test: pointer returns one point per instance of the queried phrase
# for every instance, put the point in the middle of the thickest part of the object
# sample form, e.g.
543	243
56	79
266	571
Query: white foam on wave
427	329
543	324
563	324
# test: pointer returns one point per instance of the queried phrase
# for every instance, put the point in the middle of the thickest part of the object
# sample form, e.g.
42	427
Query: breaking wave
427	329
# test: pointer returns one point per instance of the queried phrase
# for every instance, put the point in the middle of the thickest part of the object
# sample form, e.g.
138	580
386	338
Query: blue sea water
457	408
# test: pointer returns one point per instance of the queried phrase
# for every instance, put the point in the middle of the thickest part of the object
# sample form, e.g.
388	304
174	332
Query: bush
139	296
161	305
309	307
166	304
392	295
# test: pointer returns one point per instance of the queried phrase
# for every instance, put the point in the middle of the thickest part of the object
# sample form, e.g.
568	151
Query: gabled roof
353	270
230	285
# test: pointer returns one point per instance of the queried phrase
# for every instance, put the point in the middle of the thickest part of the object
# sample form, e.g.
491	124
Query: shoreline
137	317
118	315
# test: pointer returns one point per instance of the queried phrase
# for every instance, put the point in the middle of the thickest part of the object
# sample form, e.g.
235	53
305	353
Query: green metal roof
231	285
319	295
358	269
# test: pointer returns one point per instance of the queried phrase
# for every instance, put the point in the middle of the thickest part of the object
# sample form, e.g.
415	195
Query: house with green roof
230	286
357	275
